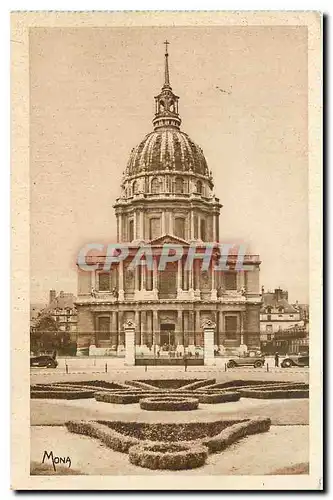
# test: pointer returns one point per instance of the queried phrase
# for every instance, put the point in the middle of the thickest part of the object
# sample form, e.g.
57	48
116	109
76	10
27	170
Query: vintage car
43	361
295	360
251	358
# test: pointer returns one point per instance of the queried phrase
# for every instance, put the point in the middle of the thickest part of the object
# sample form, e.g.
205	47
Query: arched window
281	310
179	185
135	187
199	187
268	310
155	186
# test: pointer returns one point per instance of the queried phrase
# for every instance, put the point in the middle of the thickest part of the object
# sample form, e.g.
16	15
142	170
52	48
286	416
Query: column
171	228
137	331
143	277
141	229
179	328
214	291
156	336
163	223
120	328
179	276
135	225
196	326
114	327
121	294
209	328
144	327
192	226
120	228
221	328
149	327
130	343
191	328
214	228
136	278
186	328
155	275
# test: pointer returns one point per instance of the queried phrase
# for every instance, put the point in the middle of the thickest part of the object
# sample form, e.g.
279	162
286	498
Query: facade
283	327
167	198
62	309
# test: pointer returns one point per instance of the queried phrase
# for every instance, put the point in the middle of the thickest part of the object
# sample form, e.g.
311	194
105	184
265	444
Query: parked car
295	360
248	359
44	361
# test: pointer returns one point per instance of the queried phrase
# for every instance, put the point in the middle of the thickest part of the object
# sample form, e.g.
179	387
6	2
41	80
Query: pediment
169	239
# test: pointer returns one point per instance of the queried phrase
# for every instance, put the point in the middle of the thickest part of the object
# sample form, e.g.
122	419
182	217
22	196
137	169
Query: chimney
53	295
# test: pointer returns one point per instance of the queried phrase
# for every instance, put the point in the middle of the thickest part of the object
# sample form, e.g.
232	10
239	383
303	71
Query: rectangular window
231	327
180	227
203	229
230	280
269	336
104	282
131	230
154	228
104	328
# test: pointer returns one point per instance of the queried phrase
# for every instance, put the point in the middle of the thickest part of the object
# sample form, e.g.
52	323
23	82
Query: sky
243	99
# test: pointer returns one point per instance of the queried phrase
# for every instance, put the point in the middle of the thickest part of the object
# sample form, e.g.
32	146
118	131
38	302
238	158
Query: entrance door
167	336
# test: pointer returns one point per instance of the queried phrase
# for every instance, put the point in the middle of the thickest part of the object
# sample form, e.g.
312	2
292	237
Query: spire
166	66
166	103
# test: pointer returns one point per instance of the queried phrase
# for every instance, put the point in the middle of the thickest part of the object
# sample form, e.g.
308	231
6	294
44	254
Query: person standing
276	357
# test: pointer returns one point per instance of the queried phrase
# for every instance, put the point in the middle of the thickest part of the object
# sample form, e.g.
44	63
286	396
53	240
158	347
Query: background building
283	326
54	326
167	196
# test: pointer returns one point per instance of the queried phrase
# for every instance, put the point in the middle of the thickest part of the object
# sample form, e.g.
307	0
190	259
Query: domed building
167	199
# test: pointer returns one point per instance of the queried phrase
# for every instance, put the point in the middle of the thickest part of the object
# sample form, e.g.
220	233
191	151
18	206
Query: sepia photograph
167	183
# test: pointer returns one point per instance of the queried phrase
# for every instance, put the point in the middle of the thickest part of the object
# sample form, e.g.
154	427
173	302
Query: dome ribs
167	149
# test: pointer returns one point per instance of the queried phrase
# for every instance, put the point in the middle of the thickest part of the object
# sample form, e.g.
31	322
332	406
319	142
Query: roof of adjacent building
272	299
62	301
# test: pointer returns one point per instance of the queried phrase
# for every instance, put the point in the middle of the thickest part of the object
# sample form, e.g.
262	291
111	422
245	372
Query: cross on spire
166	43
166	66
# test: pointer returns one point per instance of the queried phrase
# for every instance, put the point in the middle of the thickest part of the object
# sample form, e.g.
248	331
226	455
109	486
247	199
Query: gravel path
57	412
282	447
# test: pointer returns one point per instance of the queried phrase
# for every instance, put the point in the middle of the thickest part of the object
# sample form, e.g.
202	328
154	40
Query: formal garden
167	424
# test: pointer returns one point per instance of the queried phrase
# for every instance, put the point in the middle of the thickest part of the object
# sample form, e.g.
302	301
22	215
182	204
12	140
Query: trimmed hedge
169	404
222	397
123	398
235	432
198	384
171	456
215	436
274	394
166	384
171	432
95	383
112	439
51	394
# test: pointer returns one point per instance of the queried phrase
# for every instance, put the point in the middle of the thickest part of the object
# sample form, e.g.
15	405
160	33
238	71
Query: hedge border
122	442
275	394
222	397
61	394
175	457
169	404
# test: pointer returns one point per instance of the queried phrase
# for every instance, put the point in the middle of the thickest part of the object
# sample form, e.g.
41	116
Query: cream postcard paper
166	180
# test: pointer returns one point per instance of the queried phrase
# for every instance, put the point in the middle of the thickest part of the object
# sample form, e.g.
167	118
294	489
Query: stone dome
167	149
